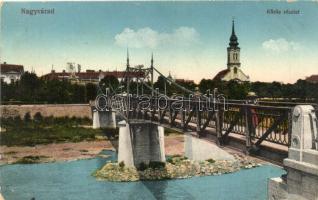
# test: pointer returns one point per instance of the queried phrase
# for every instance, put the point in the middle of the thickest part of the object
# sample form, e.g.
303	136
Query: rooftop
9	68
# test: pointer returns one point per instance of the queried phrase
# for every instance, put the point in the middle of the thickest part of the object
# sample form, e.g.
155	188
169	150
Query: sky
187	39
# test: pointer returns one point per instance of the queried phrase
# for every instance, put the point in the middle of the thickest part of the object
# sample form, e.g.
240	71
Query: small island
176	167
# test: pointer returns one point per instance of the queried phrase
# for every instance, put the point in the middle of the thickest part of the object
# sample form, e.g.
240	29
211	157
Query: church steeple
233	71
233	39
233	51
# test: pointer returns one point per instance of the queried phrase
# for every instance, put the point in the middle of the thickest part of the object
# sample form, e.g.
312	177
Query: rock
176	167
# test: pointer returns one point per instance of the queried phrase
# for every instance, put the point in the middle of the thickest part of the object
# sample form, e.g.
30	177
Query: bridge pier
140	142
103	119
301	181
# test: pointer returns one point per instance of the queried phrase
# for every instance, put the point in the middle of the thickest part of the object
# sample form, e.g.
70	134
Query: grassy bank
39	130
30	131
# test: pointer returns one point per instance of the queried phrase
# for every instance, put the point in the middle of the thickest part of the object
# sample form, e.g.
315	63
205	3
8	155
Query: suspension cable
174	83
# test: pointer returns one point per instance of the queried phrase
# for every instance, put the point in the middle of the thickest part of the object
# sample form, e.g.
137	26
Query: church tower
233	51
233	71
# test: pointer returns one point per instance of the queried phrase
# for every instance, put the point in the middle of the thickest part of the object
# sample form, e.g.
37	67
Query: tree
29	85
91	91
237	90
160	83
109	81
206	84
78	93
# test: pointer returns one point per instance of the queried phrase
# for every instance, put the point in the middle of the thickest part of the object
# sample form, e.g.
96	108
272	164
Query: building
312	78
233	71
11	73
90	76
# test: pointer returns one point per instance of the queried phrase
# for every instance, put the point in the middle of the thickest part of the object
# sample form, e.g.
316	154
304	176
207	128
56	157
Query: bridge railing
267	123
257	123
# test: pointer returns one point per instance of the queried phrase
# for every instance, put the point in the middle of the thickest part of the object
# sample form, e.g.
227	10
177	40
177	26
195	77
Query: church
233	71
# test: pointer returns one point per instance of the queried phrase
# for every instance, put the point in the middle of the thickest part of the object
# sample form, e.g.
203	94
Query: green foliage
169	131
27	117
160	83
31	89
122	164
30	159
17	119
45	131
109	81
91	91
175	159
171	88
210	160
142	166
38	117
156	164
301	90
152	164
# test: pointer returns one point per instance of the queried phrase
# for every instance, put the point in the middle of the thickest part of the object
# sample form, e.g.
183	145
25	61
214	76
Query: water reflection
157	189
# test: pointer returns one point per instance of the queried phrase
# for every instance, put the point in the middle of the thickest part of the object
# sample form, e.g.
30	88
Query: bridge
260	128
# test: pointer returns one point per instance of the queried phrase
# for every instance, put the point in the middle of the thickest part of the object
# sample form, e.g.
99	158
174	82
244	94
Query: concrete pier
104	119
301	182
140	142
200	150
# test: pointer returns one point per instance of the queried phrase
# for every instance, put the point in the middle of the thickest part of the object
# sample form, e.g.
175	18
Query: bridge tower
301	181
151	71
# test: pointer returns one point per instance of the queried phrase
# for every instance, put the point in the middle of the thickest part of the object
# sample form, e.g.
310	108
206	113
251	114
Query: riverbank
54	152
68	151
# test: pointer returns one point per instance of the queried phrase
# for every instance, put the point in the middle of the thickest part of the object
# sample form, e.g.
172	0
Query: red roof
91	75
313	78
5	68
221	74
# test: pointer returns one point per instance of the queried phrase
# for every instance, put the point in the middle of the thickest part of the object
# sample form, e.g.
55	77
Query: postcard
159	100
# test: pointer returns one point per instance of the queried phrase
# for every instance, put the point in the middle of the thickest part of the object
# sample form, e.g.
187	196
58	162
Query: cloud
147	37
280	45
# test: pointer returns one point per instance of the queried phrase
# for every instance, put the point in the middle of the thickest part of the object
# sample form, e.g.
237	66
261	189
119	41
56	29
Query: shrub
174	159
210	160
30	159
142	166
27	117
17	119
122	164
86	120
38	117
169	160
156	164
49	120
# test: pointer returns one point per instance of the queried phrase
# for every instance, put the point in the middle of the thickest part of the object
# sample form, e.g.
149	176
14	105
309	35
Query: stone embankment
46	110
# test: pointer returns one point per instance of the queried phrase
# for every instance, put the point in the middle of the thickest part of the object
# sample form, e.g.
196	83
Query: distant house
11	73
90	76
233	71
312	78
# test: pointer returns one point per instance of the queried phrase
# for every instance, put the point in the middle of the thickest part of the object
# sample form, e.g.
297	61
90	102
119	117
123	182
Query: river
73	181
